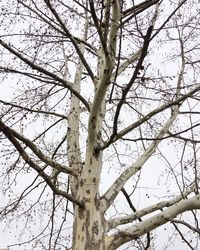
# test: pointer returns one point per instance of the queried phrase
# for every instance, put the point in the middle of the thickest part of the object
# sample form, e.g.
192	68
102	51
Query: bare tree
99	122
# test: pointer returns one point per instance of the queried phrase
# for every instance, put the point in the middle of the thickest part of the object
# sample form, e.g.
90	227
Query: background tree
99	122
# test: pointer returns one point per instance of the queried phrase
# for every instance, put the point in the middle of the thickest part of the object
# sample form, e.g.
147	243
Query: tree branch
167	20
113	223
134	210
11	133
137	9
33	110
139	229
113	191
183	237
46	72
116	187
132	80
70	36
125	64
145	118
197	230
106	68
98	27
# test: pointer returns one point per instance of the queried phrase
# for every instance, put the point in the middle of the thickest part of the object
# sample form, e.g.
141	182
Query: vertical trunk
73	146
89	231
88	228
89	222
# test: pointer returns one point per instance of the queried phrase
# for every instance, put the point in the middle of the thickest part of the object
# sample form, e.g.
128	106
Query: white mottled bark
113	223
114	190
89	224
135	231
90	229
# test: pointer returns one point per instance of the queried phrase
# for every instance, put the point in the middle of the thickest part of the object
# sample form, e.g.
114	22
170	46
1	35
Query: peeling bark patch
81	214
97	203
99	135
93	122
95	227
81	183
96	152
88	191
87	224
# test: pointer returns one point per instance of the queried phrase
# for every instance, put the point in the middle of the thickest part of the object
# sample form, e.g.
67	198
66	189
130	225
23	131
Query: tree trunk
89	224
88	228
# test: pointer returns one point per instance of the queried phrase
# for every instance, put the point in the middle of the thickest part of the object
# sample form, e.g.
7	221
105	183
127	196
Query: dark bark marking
99	135
81	214
96	152
97	203
95	227
81	183
88	191
93	122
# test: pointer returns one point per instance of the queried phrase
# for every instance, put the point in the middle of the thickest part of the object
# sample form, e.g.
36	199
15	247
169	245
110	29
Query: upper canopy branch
98	27
106	63
145	118
46	19
44	71
73	41
137	9
33	110
40	78
129	85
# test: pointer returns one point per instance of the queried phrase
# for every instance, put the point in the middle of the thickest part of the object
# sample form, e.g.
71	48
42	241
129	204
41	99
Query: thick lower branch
114	190
139	229
61	168
113	223
36	167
